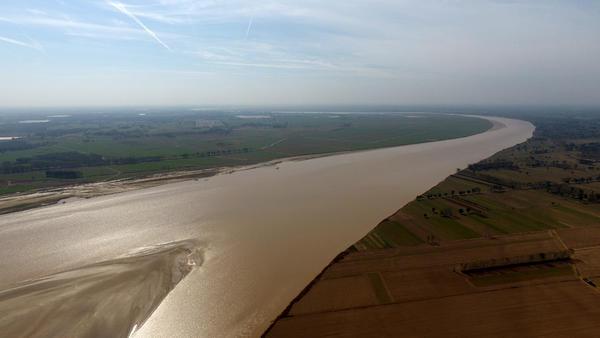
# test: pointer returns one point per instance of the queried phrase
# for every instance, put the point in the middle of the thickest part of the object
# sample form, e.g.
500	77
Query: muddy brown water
265	231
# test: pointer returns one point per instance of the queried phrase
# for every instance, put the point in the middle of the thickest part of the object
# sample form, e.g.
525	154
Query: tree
447	212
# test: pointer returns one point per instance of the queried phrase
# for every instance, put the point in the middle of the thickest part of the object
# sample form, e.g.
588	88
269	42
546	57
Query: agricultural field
534	279
548	182
515	236
483	213
50	149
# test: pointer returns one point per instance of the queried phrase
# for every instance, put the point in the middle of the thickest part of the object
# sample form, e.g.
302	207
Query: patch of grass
446	228
15	189
451	229
582	215
396	234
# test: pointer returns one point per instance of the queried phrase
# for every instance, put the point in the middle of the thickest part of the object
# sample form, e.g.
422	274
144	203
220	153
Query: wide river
265	232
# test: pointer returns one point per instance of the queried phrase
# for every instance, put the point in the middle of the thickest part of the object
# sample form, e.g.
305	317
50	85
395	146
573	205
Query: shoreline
47	197
496	125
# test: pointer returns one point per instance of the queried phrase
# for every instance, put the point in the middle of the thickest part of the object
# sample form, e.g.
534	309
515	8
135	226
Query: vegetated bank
89	147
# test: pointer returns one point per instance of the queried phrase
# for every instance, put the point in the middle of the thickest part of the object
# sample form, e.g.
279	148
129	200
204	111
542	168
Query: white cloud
33	44
66	23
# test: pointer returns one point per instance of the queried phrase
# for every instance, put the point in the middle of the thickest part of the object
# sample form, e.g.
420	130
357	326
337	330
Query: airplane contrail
35	46
121	8
249	27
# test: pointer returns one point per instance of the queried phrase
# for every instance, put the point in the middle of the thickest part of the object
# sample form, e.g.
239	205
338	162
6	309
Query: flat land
402	291
83	147
542	184
560	309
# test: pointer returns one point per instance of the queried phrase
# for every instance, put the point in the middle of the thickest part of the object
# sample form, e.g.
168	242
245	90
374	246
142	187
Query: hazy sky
163	52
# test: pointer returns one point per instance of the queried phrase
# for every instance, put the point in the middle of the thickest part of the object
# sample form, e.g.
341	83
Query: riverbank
46	197
129	147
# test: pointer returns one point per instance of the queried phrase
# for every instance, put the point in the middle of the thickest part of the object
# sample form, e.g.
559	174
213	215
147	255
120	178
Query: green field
483	214
552	181
103	146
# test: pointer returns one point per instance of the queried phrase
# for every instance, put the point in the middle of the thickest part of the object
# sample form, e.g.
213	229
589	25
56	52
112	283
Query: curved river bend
264	232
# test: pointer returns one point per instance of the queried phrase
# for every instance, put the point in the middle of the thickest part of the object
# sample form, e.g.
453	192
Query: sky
278	52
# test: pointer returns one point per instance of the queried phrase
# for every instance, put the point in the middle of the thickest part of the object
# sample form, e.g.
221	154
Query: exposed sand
25	201
107	298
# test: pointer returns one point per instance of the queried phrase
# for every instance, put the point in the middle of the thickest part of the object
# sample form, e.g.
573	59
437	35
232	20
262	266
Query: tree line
73	159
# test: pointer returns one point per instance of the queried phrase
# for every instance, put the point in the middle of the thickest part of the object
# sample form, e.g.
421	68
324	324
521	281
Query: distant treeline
222	152
451	193
589	151
561	128
52	161
138	133
482	166
14	145
276	125
567	190
73	159
64	174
